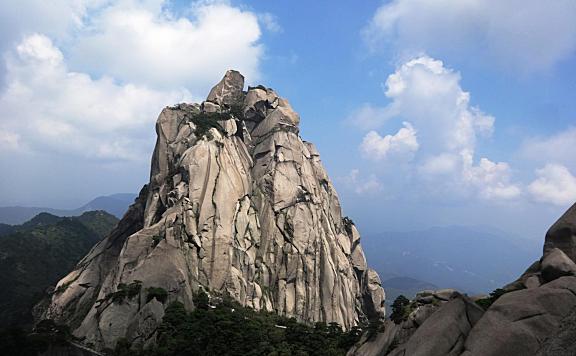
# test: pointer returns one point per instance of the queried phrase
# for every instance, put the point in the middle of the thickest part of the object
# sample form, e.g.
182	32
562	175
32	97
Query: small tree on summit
398	308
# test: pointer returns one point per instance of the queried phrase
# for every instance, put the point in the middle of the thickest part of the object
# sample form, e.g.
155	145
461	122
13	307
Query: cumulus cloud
270	22
150	46
48	107
9	141
54	18
89	77
492	179
547	149
555	184
428	95
362	185
529	35
403	143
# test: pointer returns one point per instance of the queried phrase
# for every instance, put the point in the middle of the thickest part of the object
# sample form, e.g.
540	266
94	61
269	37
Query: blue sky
425	113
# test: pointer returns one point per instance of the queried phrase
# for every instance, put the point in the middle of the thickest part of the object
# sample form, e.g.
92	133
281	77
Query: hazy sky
425	112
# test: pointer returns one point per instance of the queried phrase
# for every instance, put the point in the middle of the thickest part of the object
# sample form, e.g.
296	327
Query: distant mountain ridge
471	259
535	314
115	204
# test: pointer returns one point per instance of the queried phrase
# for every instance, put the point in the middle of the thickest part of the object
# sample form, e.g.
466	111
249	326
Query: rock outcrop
237	203
535	315
435	323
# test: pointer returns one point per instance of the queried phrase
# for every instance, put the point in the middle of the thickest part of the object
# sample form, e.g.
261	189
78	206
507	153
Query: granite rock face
237	203
437	323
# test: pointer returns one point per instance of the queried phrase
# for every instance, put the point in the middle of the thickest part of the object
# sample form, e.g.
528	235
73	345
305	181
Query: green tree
398	309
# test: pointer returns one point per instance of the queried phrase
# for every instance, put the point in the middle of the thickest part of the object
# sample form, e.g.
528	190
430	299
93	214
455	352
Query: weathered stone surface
562	341
444	332
379	344
444	294
521	282
394	336
518	322
556	264
250	212
562	234
229	91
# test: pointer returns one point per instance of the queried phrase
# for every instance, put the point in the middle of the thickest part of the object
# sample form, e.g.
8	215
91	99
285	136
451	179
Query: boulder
445	294
562	342
443	333
562	234
518	322
378	344
556	264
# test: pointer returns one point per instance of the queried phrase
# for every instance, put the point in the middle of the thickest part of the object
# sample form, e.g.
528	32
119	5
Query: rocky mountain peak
237	204
229	91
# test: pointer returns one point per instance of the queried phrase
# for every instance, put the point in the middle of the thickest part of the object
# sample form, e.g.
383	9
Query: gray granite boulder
518	322
562	234
444	332
556	264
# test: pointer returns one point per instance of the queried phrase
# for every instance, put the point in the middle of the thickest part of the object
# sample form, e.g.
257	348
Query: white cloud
89	77
428	95
9	141
270	22
368	116
150	46
555	184
54	18
361	185
527	35
491	179
403	143
553	148
445	163
48	107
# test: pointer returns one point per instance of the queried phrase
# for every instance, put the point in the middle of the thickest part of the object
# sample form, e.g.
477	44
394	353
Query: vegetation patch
38	254
160	294
156	240
205	121
46	335
348	224
374	327
230	329
485	303
221	326
125	291
62	288
401	309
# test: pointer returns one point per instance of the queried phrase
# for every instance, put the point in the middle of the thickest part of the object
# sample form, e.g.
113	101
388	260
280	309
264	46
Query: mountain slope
39	252
237	205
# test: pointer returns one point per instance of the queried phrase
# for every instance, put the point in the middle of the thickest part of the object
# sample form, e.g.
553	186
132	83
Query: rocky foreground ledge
534	315
237	204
